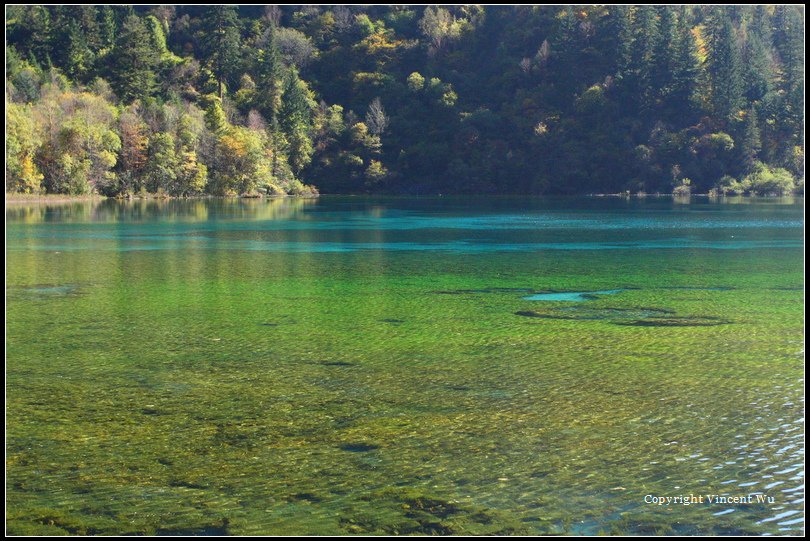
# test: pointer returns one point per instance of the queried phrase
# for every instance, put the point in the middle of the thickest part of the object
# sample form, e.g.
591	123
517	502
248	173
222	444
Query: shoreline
15	198
64	198
715	195
50	198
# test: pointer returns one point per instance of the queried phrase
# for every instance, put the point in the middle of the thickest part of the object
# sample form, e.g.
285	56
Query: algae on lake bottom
192	367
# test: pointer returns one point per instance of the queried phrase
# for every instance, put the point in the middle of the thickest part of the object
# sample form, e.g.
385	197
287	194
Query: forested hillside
394	99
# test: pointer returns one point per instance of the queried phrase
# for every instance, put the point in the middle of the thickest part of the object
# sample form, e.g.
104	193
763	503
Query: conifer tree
751	142
134	61
270	73
757	64
684	69
620	38
645	36
79	57
221	43
269	79
296	120
663	58
107	27
724	66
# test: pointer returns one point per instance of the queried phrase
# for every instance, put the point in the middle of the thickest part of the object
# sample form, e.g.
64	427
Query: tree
439	26
22	140
751	143
221	42
756	60
789	40
269	79
192	175
296	120
107	27
157	36
788	23
416	82
214	115
645	37
270	74
724	66
620	39
295	47
33	33
663	59
684	70
80	58
135	61
241	163
24	78
376	119
161	169
134	147
80	146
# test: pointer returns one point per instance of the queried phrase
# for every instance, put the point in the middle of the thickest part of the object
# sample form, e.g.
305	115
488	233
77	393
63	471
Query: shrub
765	181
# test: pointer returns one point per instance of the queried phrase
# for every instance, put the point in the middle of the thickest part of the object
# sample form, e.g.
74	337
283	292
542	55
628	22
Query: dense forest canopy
184	100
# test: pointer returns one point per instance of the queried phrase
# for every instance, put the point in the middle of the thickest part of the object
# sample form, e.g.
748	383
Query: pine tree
270	74
684	70
645	33
269	79
663	59
215	118
87	18
756	60
79	58
724	66
34	31
620	39
157	37
789	38
107	27
568	51
221	43
296	120
751	142
134	62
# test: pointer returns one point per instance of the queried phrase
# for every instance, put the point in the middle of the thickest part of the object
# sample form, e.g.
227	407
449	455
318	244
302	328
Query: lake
349	365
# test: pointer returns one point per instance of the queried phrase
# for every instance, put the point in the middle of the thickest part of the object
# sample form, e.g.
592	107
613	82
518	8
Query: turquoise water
348	365
574	296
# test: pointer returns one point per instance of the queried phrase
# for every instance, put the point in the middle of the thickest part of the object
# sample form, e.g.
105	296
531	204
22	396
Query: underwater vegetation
200	387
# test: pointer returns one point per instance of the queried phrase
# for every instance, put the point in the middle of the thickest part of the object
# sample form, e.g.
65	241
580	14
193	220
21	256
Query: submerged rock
633	317
413	512
532	313
214	530
336	363
484	290
46	291
697	288
359	447
676	322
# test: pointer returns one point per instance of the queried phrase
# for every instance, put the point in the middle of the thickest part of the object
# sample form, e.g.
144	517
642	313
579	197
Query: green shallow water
352	365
